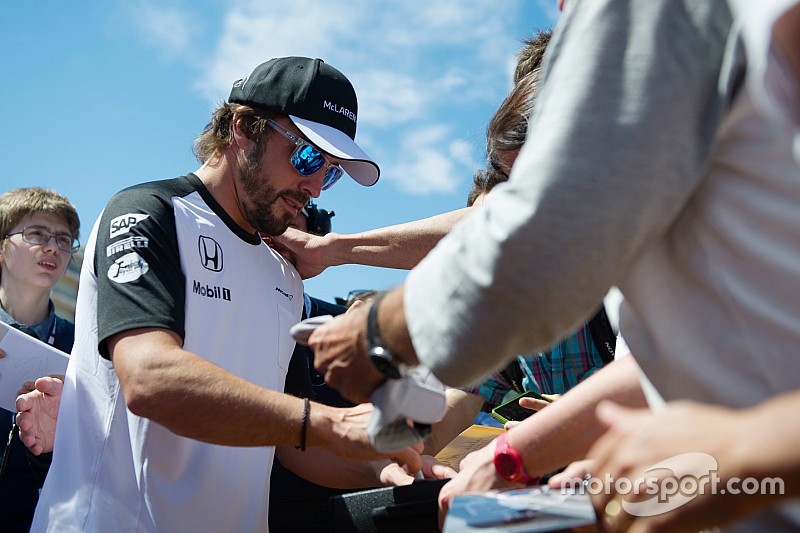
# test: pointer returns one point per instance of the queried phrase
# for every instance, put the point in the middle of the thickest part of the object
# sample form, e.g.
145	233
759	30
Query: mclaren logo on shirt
127	268
124	223
289	296
210	253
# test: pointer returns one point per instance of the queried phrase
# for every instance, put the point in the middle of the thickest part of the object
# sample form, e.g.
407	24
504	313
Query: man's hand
637	439
340	355
304	250
534	404
391	474
346	435
476	474
38	414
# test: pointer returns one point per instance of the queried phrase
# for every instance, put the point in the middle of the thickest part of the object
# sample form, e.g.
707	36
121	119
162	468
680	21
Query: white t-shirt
166	255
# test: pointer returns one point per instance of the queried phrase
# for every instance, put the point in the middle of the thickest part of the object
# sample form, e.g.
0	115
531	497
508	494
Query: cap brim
355	161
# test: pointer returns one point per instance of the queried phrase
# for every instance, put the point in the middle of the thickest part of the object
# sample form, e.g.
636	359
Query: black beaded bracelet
304	427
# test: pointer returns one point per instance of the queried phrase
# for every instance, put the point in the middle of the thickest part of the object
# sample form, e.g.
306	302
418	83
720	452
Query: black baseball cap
319	100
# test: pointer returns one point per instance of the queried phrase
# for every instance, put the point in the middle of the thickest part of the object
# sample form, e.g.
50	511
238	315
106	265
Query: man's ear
240	138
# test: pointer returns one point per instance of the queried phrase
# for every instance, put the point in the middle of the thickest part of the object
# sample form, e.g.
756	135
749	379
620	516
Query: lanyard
51	339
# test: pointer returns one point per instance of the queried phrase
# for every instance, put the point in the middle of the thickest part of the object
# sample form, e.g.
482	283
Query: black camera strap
603	335
7	450
512	373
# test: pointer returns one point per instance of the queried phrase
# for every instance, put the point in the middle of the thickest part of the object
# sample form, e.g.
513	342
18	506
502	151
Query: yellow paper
471	439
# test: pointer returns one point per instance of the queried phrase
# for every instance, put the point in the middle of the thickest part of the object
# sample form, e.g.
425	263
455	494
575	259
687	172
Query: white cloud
387	98
419	68
461	151
170	29
388	50
426	163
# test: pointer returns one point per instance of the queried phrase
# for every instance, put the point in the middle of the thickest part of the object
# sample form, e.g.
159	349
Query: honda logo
210	253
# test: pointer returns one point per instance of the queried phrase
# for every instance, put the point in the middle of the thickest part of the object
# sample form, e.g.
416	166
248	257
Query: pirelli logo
131	243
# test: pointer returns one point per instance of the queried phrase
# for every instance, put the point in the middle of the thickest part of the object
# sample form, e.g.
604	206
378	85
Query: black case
389	509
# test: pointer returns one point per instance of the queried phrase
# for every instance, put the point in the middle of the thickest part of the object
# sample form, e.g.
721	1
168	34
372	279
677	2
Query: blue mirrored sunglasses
307	160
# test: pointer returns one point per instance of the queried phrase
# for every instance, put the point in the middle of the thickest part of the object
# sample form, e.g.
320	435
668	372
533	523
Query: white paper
26	359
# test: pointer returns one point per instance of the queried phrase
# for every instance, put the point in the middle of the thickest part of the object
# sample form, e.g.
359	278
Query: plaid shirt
567	363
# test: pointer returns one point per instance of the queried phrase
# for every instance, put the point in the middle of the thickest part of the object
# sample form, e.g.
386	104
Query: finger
355	305
608	413
28	439
576	471
2	353
409	458
510	424
49	385
604	453
533	403
393	475
438	471
444	503
24	402
24	422
611	414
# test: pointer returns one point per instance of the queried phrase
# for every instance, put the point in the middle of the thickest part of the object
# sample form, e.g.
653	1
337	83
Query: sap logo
123	223
290	296
127	268
127	244
211	291
210	253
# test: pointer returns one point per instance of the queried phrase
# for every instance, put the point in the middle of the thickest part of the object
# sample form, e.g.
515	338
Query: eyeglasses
307	160
40	236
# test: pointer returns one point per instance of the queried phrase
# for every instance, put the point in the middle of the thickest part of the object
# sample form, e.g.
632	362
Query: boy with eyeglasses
39	230
171	408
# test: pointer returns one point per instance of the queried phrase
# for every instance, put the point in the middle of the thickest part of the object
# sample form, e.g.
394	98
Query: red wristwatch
508	462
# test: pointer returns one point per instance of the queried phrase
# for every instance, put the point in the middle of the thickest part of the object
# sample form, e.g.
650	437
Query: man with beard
171	411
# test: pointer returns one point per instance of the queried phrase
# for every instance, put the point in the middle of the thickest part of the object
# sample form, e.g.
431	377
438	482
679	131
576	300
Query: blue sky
100	95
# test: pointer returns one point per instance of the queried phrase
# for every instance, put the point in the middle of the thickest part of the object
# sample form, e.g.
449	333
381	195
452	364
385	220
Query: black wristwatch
379	354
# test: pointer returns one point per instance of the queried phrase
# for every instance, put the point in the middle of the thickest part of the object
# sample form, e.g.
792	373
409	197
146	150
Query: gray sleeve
621	138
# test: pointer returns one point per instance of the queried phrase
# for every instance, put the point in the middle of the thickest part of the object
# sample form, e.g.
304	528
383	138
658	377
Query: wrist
338	249
509	464
394	329
320	425
304	424
749	454
379	354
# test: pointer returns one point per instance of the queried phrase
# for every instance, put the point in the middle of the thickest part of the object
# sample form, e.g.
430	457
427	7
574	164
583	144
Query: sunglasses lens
332	175
307	159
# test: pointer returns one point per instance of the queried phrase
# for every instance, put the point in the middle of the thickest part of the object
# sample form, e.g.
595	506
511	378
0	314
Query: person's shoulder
167	188
155	198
